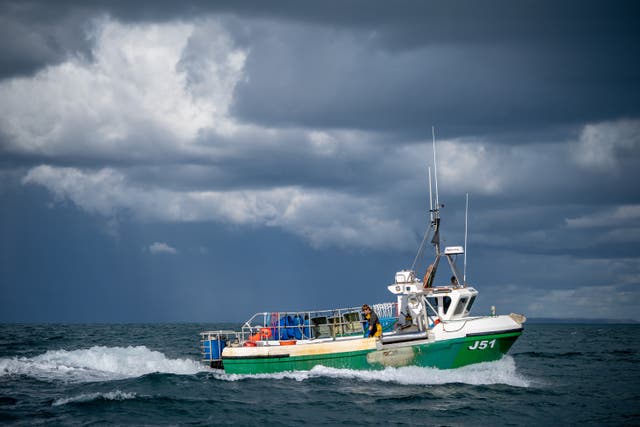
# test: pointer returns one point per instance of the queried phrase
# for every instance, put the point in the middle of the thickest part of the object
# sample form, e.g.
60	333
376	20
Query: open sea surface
555	374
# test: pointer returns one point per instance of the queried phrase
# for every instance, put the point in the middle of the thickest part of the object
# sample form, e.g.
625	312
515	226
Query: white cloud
463	166
142	93
607	301
613	217
98	192
604	146
560	285
321	216
165	91
323	143
482	166
471	166
161	248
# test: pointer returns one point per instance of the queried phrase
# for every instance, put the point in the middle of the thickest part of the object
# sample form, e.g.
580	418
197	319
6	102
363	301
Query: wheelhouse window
471	301
461	304
446	302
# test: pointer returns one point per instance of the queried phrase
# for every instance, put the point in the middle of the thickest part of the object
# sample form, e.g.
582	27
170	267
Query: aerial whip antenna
436	210
466	213
435	165
430	196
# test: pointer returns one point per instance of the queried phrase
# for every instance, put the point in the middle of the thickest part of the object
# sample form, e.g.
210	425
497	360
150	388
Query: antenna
435	165
466	214
430	196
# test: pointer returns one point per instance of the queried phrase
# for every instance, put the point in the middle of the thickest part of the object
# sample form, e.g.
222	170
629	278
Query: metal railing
276	328
304	325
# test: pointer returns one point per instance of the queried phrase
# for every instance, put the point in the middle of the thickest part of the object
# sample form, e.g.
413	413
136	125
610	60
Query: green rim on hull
445	354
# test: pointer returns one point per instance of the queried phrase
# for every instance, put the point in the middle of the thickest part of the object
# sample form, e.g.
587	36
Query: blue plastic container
284	332
297	323
291	330
387	323
213	349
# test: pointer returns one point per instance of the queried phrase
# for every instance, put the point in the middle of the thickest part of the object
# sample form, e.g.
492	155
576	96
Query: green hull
445	354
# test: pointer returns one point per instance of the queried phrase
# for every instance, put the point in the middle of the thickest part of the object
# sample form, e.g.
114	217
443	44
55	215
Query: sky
202	161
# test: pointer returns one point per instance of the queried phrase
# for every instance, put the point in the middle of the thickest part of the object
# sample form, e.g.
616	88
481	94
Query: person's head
366	308
453	279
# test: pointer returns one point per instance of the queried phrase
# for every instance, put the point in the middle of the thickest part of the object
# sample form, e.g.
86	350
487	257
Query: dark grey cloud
326	142
470	68
328	77
34	35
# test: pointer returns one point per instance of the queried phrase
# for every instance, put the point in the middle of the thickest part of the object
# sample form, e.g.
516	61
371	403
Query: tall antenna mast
430	196
466	213
436	210
435	165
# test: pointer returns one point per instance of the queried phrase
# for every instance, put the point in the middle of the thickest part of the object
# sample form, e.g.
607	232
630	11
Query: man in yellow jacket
375	328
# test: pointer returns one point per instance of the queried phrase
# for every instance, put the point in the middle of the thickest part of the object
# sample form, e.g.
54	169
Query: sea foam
97	364
89	397
499	372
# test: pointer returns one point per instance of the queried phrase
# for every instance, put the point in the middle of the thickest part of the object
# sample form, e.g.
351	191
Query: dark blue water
150	375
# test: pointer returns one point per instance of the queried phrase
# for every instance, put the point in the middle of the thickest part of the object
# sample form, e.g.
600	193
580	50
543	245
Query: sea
150	374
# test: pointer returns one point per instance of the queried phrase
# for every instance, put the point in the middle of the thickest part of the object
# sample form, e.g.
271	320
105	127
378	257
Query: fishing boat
428	324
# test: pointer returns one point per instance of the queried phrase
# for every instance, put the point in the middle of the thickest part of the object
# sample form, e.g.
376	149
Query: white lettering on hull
481	345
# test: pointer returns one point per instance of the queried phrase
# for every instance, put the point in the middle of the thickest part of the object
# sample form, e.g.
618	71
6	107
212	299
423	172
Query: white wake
97	364
499	372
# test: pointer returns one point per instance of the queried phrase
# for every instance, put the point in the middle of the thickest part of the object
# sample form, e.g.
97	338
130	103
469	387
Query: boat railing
282	328
386	310
307	325
303	325
213	342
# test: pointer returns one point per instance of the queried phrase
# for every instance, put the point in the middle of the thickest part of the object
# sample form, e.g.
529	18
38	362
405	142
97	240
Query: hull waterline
445	354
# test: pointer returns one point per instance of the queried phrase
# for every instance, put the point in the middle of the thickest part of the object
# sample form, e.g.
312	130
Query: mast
435	164
466	214
435	212
430	196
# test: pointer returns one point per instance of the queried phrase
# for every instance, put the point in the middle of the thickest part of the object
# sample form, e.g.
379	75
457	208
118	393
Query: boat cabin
451	303
426	304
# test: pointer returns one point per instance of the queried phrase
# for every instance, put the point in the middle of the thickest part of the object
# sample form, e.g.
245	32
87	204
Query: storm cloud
314	121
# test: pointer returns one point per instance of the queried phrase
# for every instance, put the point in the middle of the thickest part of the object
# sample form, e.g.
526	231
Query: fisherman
375	328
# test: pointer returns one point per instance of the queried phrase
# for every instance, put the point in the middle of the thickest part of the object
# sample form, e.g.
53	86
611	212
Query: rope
421	248
448	322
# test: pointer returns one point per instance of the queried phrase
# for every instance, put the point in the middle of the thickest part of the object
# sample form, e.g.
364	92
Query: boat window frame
471	301
446	304
433	302
462	303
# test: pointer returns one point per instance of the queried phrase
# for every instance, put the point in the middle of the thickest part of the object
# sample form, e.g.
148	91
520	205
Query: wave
89	397
97	363
551	355
502	371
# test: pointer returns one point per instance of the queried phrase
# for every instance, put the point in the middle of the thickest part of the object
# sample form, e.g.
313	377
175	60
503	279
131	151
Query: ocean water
555	374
